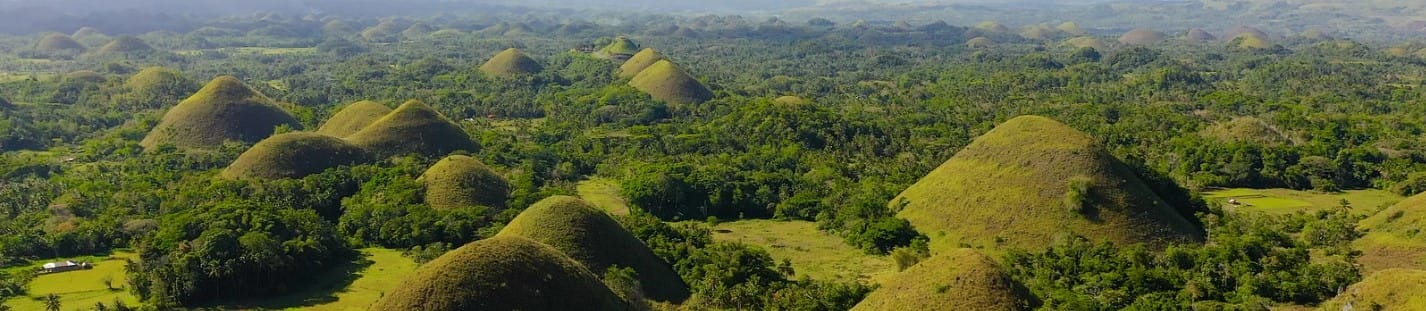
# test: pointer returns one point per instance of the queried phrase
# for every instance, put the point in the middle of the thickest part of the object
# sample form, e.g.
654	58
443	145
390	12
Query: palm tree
52	302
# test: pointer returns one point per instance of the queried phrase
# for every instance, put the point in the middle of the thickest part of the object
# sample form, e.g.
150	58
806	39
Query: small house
66	265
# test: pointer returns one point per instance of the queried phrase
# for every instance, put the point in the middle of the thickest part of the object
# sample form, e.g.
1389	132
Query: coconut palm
52	302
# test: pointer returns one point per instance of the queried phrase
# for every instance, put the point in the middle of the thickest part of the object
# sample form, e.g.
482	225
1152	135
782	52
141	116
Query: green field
604	194
1363	202
79	290
355	286
813	253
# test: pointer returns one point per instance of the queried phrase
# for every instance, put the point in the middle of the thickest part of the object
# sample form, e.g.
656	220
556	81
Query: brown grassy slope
1395	289
502	273
510	62
1008	189
293	155
413	128
1394	238
639	62
668	82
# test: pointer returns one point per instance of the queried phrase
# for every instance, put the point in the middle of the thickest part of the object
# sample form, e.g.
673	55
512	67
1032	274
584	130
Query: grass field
604	194
1363	202
813	253
250	51
355	286
79	290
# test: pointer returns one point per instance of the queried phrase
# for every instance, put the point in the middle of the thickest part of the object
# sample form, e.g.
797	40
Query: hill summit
462	181
511	62
1033	180
960	279
502	273
591	237
1141	36
413	128
620	46
639	62
293	155
353	118
667	82
1392	289
224	109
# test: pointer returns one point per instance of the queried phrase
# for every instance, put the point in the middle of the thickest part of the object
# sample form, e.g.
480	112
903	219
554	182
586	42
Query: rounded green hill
1199	35
1071	28
1394	289
293	155
353	118
1393	237
639	62
417	31
620	46
960	279
337	26
1141	37
413	128
1251	41
85	76
1032	181
85	32
224	109
125	45
1037	32
1246	130
502	273
386	31
159	80
992	26
790	100
1245	30
462	181
510	62
1087	42
57	42
667	82
980	43
591	237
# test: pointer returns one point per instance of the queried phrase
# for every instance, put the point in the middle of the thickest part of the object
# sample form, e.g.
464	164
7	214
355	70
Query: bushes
1077	198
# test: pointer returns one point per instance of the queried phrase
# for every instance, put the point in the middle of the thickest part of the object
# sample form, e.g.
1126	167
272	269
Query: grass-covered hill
158	80
1031	181
224	109
1071	28
502	273
1199	35
125	45
462	181
620	46
1246	130
1141	36
1087	42
980	43
511	62
353	118
668	82
57	42
85	32
960	279
639	62
1252	41
1393	237
1394	289
293	155
384	32
591	237
413	128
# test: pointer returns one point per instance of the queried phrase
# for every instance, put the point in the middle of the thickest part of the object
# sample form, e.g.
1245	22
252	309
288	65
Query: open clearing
604	194
813	253
354	286
79	290
1276	201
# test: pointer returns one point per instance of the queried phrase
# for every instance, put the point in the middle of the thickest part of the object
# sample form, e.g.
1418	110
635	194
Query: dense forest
240	158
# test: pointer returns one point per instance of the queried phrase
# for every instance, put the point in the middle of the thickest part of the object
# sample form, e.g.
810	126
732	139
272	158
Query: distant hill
1031	181
224	109
462	181
1394	289
353	118
590	236
293	155
1246	130
668	82
57	42
125	45
413	128
509	63
502	273
1141	37
959	279
1087	42
620	46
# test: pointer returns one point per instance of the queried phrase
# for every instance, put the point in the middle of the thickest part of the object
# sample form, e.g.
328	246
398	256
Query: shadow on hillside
323	289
